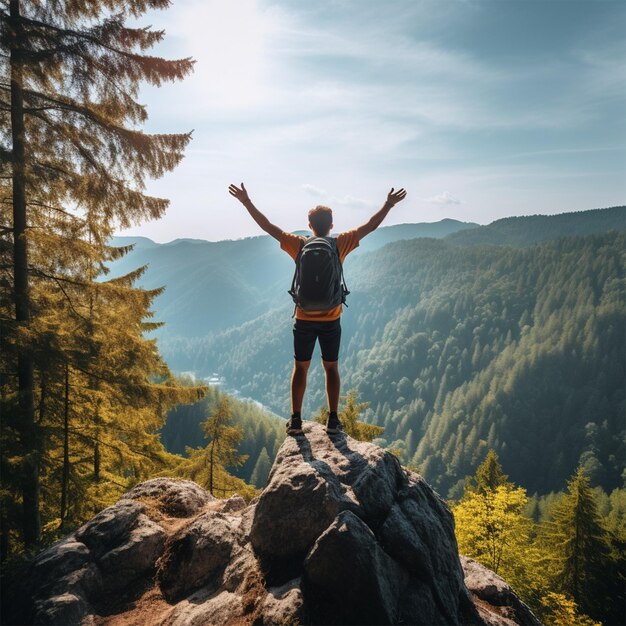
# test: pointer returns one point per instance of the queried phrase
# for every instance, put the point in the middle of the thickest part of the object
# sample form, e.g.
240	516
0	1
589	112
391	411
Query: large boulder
176	497
197	554
349	578
342	534
392	534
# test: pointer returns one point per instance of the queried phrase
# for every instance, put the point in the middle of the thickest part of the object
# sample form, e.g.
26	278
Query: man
323	326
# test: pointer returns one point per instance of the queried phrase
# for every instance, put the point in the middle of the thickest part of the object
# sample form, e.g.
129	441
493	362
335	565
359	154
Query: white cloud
314	191
351	202
444	198
346	201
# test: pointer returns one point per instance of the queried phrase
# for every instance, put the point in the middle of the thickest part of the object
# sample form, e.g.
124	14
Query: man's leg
330	339
333	383
298	385
304	337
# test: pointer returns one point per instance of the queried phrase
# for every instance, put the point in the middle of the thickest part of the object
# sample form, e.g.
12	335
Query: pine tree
488	476
349	417
490	526
586	570
209	466
76	164
261	469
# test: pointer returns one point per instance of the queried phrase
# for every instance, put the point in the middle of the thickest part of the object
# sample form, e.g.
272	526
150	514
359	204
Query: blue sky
481	109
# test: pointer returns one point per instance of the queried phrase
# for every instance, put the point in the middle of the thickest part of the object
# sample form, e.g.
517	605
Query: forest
458	349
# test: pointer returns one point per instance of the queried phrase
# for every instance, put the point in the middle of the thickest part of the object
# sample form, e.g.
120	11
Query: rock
418	533
283	524
307	490
196	554
340	535
233	504
174	496
66	608
201	609
59	580
498	605
110	527
284	604
349	578
135	557
54	563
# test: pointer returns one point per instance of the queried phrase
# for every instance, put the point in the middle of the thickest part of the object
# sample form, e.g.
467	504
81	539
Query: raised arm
257	216
374	222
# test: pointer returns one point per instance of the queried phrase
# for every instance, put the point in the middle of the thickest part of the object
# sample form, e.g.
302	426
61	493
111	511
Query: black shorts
305	333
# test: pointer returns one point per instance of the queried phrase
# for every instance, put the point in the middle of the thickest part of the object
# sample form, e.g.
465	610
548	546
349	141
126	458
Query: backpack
318	283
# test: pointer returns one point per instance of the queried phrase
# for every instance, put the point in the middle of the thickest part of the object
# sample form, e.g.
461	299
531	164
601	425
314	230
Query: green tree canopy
74	166
586	570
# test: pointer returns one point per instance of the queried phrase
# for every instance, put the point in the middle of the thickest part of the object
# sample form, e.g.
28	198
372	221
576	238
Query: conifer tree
488	476
261	469
74	169
209	466
490	526
586	569
349	418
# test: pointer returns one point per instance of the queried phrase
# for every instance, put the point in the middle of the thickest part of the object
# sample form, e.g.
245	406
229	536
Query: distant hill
529	229
399	232
212	286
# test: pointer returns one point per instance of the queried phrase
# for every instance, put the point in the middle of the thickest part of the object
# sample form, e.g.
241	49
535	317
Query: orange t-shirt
291	244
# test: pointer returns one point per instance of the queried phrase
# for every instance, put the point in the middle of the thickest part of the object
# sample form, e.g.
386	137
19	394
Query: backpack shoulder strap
344	287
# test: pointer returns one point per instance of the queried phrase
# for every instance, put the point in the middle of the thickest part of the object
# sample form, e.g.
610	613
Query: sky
480	109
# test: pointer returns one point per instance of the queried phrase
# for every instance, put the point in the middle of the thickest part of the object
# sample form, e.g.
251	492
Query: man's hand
257	216
241	194
394	198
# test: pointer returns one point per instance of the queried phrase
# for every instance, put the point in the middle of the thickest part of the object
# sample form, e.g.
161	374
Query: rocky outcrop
341	534
496	602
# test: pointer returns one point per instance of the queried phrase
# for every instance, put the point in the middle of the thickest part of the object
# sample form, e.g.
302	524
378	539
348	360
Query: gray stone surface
500	600
342	534
109	528
65	608
135	557
349	578
197	554
175	496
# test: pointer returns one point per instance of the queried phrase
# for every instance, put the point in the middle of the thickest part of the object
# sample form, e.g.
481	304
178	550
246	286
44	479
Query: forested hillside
522	231
459	349
212	286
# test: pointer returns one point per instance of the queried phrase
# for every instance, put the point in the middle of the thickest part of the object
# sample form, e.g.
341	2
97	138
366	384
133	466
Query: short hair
321	219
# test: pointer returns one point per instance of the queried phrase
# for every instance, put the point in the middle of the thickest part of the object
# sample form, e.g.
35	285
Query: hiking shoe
333	425
294	426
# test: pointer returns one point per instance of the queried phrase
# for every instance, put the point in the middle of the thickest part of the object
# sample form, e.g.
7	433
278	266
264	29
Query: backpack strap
344	287
296	276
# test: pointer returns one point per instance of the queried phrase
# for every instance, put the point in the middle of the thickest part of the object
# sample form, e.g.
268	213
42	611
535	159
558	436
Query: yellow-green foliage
207	466
562	611
349	417
83	391
536	558
490	526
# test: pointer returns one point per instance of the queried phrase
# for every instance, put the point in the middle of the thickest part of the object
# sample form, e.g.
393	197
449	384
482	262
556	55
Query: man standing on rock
318	301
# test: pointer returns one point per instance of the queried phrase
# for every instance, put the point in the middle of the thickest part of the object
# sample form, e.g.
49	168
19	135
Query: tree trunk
211	467
65	475
31	524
